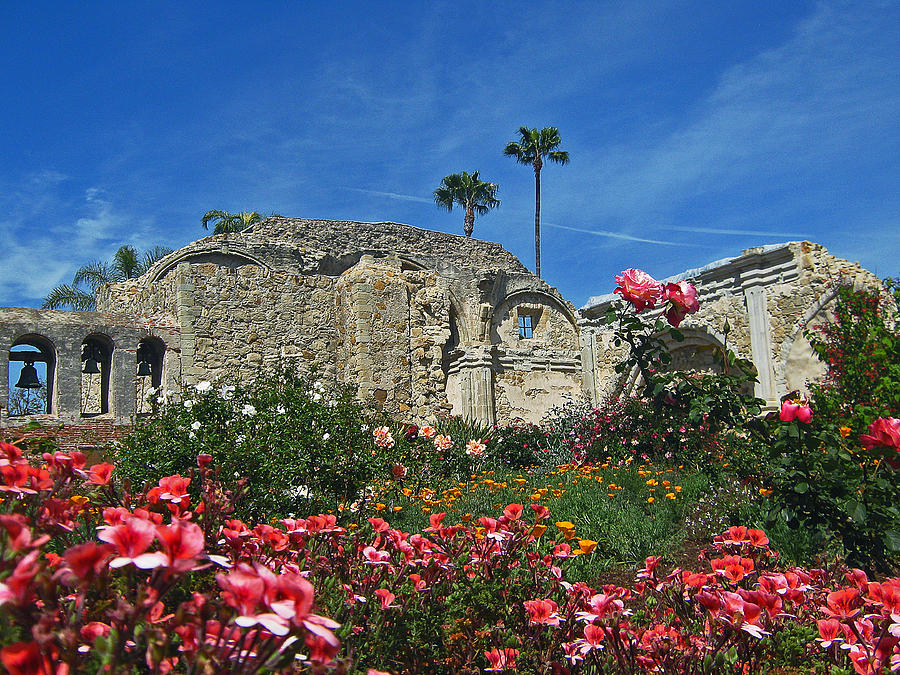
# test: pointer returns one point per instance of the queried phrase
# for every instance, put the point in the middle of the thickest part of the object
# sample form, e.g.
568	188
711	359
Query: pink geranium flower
638	288
131	539
501	659
182	541
101	473
543	612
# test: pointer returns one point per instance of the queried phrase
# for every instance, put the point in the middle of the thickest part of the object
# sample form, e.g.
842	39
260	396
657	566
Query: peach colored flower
638	288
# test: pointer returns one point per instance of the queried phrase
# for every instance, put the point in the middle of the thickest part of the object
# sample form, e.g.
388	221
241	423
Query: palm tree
230	222
126	263
473	194
532	148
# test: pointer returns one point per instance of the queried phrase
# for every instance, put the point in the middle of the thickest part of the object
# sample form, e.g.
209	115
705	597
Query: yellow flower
650	500
380	507
666	483
845	431
670	495
677	488
81	500
520	481
611	494
565	525
407	492
587	545
538	530
398	508
765	491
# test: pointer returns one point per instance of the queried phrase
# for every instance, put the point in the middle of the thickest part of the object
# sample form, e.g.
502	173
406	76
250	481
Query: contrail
716	230
392	195
618	235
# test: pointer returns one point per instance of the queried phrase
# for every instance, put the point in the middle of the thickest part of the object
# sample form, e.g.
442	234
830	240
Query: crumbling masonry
422	323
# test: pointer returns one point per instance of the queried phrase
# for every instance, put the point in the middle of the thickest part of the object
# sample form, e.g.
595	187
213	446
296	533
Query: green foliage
224	222
827	485
861	348
471	193
301	446
127	263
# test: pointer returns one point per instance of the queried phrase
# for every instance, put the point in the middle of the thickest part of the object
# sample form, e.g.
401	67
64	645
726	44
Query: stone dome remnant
422	323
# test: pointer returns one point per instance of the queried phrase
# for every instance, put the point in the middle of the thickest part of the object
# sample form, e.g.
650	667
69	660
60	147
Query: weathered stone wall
769	296
73	395
421	323
243	319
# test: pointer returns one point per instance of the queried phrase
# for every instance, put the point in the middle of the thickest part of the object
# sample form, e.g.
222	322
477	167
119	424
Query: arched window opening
96	364
150	355
32	364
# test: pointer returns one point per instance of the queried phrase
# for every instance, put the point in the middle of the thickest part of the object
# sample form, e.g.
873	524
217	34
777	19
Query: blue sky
695	129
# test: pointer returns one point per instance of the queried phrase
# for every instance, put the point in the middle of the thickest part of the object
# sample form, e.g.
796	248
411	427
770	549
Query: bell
91	367
144	369
28	378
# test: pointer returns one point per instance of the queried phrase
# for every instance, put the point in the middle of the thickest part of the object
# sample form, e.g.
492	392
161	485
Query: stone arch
797	362
230	256
44	363
697	349
151	353
96	374
500	332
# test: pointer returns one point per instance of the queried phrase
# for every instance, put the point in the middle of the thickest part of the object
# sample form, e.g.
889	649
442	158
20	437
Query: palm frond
125	263
65	296
94	275
151	255
214	215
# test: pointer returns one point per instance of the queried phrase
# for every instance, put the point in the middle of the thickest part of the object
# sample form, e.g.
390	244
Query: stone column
760	348
477	386
185	311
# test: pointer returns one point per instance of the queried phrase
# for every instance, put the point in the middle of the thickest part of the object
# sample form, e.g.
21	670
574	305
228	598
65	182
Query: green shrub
295	440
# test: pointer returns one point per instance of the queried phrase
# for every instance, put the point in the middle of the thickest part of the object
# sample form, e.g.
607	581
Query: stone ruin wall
420	333
769	296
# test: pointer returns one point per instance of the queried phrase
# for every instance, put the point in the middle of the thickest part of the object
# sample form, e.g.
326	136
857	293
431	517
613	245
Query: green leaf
801	488
892	541
857	511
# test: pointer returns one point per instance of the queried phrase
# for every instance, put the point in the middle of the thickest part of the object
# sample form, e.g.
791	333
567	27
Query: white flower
280	410
195	425
364	427
248	410
326	436
204	386
226	391
240	439
318	386
188	403
160	399
192	436
317	397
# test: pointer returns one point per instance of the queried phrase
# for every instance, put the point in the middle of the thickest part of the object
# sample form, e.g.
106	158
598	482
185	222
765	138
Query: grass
630	510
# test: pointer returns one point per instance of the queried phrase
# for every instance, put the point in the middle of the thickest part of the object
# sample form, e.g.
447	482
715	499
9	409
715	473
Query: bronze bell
28	378
144	369
91	367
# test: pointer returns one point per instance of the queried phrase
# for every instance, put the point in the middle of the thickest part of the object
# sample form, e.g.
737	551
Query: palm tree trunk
537	223
469	221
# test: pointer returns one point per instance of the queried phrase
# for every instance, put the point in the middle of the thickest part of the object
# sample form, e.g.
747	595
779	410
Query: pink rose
638	288
796	410
683	299
885	431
